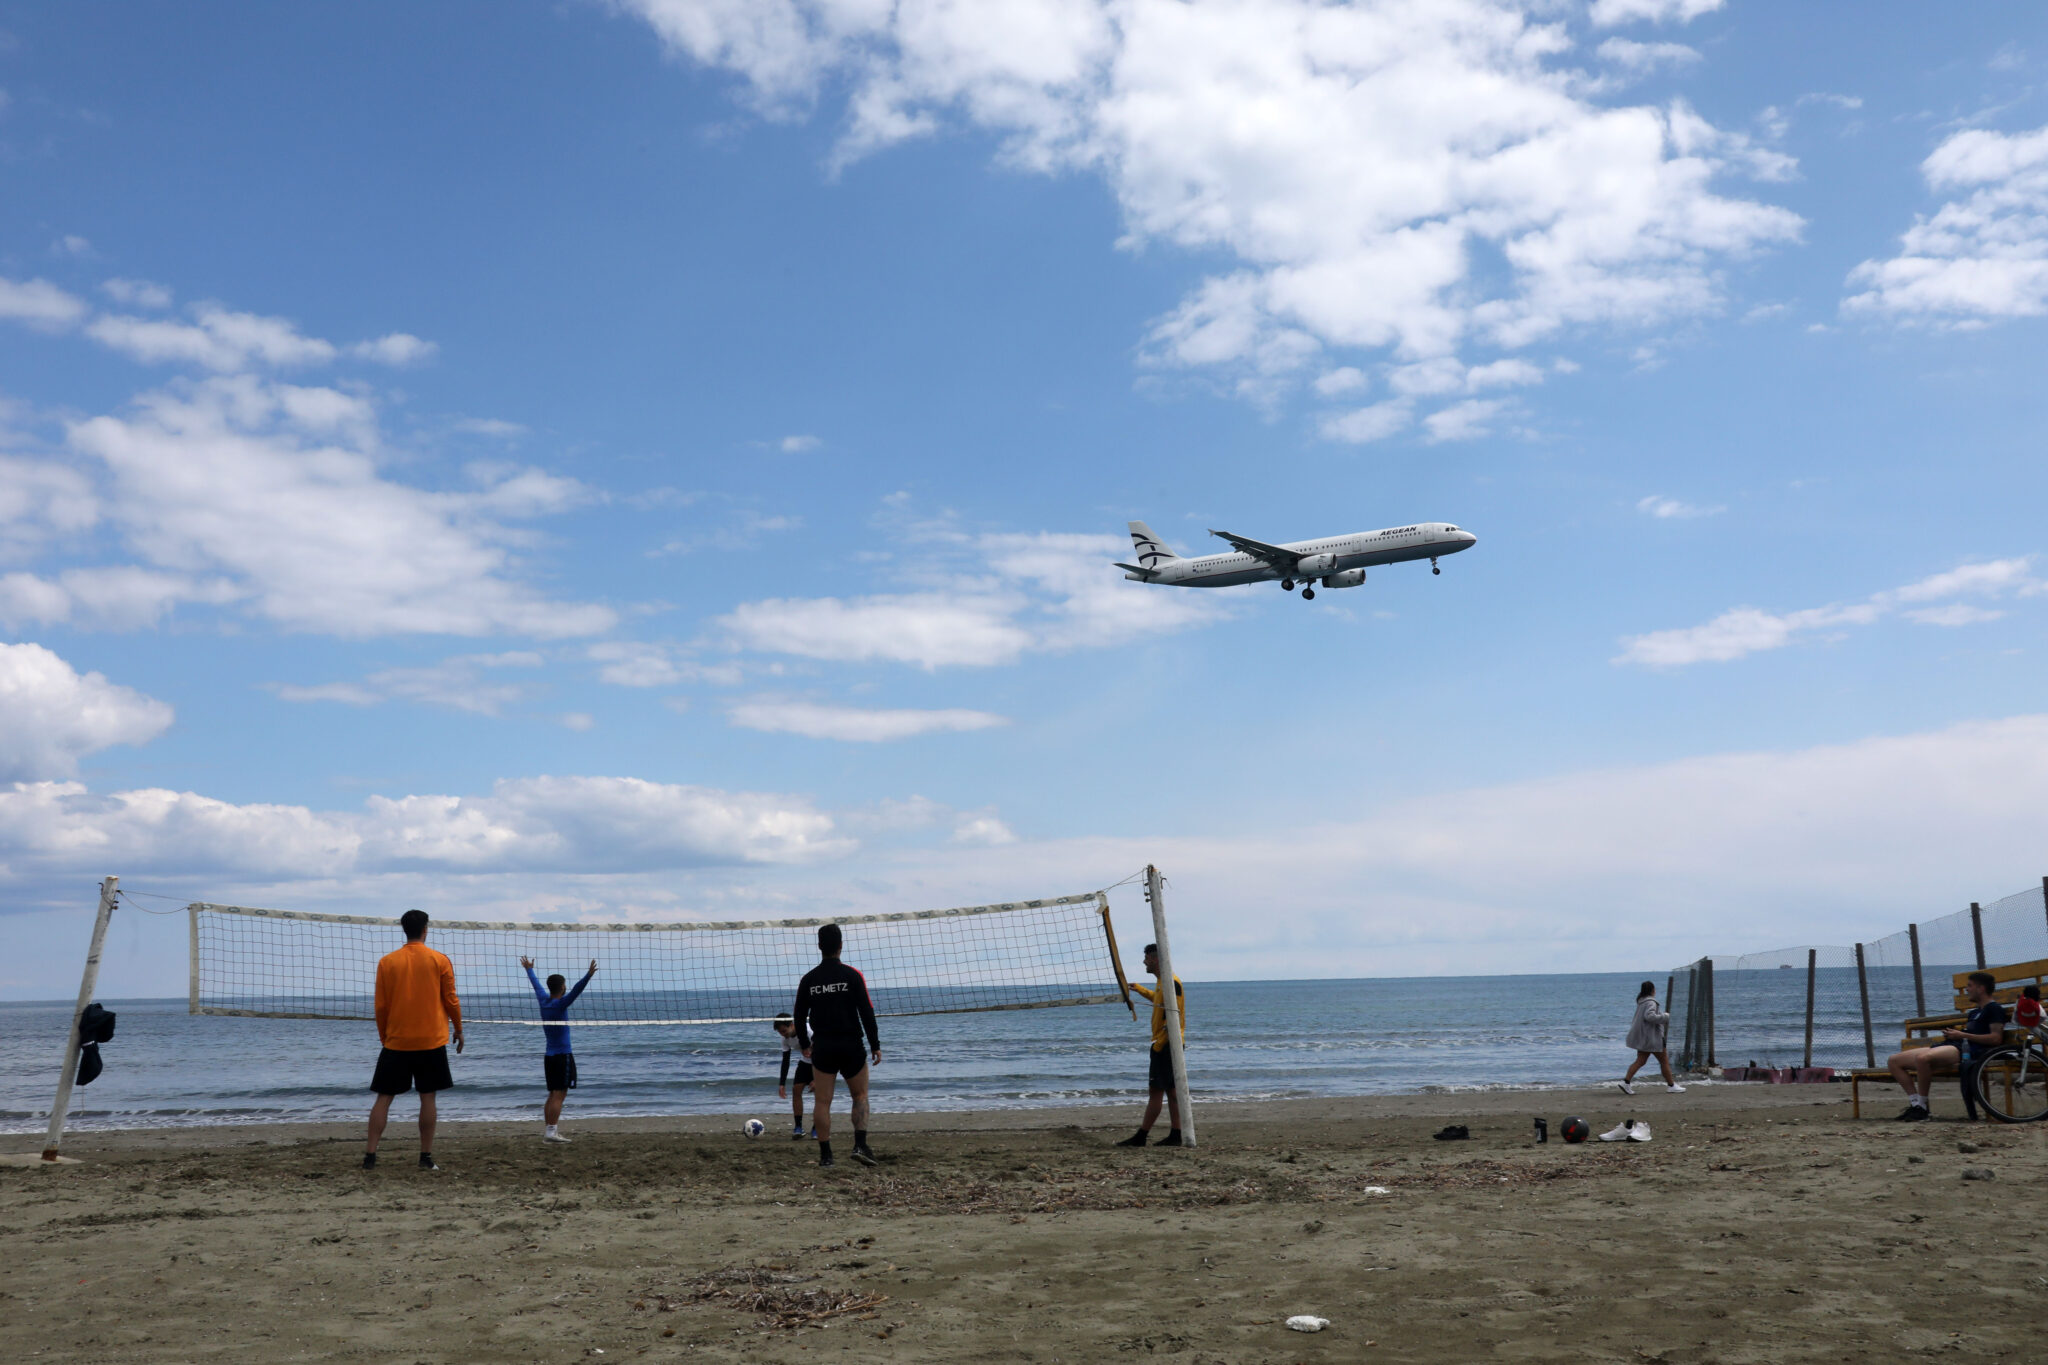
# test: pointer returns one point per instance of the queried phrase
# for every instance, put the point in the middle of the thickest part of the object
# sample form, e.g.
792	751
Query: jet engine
1350	578
1314	566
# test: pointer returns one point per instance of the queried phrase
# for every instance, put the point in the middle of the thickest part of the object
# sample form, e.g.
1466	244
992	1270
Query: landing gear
1308	594
1287	585
1433	568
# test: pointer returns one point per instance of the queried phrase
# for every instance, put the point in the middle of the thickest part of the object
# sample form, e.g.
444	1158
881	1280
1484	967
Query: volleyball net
1014	955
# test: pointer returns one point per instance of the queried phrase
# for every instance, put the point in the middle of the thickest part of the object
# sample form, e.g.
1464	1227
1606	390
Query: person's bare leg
1152	1103
857	1091
1901	1066
427	1114
380	1112
1173	1108
821	1104
552	1110
1664	1065
1635	1066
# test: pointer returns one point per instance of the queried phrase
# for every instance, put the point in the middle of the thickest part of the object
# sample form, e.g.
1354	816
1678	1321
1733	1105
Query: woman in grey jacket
1646	1036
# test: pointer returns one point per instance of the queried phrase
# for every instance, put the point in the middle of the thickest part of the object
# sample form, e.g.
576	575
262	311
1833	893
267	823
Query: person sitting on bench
1965	1049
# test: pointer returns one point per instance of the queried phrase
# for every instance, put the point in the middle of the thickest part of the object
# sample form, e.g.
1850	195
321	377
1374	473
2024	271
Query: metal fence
1836	1006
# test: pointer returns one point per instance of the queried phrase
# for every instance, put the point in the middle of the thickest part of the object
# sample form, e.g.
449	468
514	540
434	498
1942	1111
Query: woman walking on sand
1646	1036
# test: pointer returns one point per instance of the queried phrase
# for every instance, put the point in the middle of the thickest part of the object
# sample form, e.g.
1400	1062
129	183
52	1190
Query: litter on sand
1377	1189
1306	1322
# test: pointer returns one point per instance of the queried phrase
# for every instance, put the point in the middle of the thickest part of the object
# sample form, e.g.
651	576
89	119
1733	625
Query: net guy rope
1034	954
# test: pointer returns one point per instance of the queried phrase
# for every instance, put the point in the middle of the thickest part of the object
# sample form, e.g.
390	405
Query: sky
665	459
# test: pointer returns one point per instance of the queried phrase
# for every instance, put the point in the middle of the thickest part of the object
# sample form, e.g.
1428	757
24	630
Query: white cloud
740	531
41	500
1358	163
216	338
39	304
800	445
1343	380
1608	13
1670	509
1463	421
137	293
51	716
981	829
1000	596
270	494
1749	630
560	824
460	683
72	245
580	721
1980	257
489	426
397	349
852	724
1640	59
1374	423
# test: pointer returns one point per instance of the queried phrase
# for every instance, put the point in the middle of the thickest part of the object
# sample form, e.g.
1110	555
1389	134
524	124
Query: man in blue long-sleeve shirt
560	1061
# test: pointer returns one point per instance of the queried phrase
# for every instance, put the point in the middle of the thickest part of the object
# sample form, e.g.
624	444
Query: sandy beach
1760	1224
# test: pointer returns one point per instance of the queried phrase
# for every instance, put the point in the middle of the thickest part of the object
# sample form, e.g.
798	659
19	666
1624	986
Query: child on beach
2026	1011
785	1025
558	1061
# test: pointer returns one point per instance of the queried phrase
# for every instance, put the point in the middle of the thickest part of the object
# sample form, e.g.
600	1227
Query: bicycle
2012	1080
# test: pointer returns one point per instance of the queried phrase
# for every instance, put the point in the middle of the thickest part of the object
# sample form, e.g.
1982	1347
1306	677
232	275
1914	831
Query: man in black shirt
832	1012
1966	1048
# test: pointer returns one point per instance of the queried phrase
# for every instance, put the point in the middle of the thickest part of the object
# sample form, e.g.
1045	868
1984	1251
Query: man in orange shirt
416	1006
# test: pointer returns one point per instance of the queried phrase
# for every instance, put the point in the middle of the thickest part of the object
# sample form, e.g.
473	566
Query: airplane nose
1471	539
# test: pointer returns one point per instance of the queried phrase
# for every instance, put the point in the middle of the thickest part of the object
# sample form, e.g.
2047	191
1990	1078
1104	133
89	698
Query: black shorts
1160	1075
803	1074
561	1069
398	1072
836	1057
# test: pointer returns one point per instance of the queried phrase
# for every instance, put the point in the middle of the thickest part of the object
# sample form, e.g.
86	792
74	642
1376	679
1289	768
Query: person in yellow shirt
416	1007
1161	1076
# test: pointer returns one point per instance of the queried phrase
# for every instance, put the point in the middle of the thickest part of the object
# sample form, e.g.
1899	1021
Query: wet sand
1760	1224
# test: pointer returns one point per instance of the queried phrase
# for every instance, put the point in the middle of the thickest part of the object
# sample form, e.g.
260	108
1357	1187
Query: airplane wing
1283	560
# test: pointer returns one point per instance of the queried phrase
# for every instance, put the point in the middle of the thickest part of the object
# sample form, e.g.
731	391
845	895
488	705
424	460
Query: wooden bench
1926	1032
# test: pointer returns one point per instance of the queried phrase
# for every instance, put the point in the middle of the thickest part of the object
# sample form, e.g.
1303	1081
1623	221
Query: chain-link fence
1843	1007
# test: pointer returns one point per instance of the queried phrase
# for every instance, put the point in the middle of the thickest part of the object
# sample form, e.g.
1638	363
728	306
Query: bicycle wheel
2012	1083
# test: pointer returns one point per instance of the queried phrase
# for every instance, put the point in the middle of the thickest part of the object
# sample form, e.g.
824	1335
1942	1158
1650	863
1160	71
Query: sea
1247	1040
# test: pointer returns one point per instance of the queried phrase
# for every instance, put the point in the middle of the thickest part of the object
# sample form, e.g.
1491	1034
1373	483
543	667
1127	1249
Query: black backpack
95	1026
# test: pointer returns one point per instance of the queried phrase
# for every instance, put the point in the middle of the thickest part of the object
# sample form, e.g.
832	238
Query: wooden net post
1116	960
1977	931
1812	962
61	1106
1863	987
1919	987
1169	1001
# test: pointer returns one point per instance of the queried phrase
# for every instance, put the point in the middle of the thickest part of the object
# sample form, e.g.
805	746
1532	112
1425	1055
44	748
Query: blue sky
662	459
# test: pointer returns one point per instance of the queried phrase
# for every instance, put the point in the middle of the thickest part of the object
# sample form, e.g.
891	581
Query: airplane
1338	562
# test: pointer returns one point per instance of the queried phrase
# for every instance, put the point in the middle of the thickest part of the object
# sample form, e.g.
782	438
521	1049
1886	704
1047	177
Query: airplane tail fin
1151	551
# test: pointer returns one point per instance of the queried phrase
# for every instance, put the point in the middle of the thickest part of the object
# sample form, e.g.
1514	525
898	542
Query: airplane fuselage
1318	560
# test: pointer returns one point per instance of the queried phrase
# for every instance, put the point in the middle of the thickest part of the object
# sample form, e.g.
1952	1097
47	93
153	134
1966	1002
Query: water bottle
1543	1130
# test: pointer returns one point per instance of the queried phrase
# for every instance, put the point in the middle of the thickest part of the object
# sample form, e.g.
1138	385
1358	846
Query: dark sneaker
1137	1139
369	1161
826	1161
864	1156
1170	1140
427	1162
1915	1113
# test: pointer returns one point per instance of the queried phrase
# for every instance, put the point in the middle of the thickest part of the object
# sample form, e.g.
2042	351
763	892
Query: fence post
1692	1014
1812	959
1863	987
1977	932
1707	978
1919	987
2044	893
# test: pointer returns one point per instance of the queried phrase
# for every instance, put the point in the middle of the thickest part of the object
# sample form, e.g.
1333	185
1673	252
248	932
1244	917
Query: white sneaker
1621	1133
1625	1087
1674	1090
1639	1132
553	1137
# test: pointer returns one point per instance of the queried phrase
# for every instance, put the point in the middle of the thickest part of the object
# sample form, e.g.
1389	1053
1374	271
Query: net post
61	1105
1863	988
1692	1015
2044	894
1707	980
1169	1002
1977	931
1812	962
1919	986
1116	961
192	975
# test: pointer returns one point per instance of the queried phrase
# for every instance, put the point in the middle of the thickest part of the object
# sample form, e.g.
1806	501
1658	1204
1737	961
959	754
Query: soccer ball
1575	1129
755	1128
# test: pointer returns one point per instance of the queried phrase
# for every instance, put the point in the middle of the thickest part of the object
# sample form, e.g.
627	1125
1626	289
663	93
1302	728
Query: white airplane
1339	562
